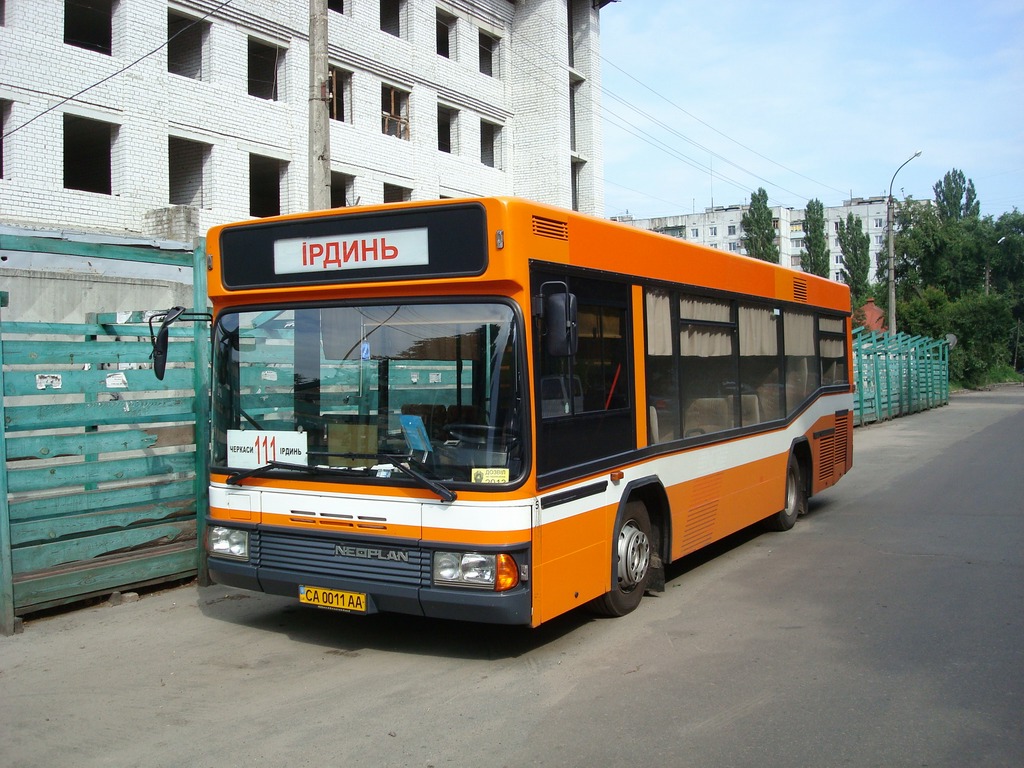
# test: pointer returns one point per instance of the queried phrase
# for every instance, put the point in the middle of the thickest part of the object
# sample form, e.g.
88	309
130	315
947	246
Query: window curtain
659	323
758	334
697	341
799	334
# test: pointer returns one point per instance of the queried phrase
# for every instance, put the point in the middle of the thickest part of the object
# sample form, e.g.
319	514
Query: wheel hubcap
792	505
634	556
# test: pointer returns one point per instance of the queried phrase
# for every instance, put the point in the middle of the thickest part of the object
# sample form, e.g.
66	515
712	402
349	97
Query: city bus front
366	453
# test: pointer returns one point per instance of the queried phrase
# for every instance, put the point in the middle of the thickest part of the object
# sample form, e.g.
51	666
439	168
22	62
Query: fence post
7	620
201	372
877	355
891	369
858	377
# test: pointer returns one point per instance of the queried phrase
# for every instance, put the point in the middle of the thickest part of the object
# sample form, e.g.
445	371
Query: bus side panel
757	491
572	560
718	504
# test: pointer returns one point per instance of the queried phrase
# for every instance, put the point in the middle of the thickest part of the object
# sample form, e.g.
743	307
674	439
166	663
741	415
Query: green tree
815	259
982	324
758	230
943	245
855	245
958	272
926	314
917	247
955	197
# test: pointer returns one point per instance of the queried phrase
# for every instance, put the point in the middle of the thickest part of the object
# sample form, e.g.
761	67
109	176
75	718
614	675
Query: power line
711	152
720	133
123	69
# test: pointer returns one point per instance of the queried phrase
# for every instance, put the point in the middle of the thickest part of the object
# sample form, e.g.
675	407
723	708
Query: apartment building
722	227
160	119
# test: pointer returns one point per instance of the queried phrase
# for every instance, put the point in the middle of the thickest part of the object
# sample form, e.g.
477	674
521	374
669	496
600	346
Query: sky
705	102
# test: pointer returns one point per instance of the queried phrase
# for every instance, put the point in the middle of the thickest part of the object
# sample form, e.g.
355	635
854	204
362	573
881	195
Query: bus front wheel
631	562
796	499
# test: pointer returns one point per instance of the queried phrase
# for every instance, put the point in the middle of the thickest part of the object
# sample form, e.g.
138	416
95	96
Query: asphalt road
886	629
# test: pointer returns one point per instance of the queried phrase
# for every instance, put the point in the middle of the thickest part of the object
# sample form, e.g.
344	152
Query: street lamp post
892	262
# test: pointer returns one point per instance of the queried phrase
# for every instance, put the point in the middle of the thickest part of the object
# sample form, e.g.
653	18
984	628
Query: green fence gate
100	478
897	374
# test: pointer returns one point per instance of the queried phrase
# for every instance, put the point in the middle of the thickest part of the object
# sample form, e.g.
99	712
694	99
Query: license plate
333	598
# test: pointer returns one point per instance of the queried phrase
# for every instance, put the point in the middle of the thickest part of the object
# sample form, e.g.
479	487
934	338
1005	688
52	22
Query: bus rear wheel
631	561
796	499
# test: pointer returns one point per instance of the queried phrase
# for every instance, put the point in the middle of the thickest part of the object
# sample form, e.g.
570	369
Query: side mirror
160	340
560	322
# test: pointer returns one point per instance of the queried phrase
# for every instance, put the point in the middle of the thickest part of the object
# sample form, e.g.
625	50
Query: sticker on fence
48	381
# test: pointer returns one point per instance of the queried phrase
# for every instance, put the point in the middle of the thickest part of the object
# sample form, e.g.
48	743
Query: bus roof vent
558	230
799	289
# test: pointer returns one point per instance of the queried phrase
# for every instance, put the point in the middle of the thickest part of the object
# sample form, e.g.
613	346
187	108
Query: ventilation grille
313	556
799	289
703	512
557	230
842	441
827	458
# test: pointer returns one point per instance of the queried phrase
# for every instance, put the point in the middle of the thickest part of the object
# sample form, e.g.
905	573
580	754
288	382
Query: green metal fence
100	478
897	374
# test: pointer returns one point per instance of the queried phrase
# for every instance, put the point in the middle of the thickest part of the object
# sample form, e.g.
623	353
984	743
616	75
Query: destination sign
366	250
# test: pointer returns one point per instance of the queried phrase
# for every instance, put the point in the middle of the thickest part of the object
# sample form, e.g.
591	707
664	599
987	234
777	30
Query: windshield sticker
490	475
249	449
367	250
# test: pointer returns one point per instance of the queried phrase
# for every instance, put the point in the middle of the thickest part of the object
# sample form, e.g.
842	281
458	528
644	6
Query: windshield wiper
446	495
236	478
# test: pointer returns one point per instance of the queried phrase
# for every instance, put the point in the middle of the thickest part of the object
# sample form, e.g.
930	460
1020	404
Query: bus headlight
228	542
472	569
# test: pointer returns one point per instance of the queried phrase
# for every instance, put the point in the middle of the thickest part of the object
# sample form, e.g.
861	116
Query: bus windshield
433	387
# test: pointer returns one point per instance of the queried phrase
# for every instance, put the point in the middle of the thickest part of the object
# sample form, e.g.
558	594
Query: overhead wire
719	132
120	71
635	130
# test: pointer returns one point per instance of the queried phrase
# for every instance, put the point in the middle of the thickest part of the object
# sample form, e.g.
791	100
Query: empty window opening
89	24
447	129
394	112
265	65
266	175
574	90
188	172
3	13
571	28
490	144
341	95
338	6
342	190
396	194
5	111
88	154
577	175
391	16
445	34
187	46
488	54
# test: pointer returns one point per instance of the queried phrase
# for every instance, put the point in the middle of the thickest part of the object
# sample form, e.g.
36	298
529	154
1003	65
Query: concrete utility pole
319	113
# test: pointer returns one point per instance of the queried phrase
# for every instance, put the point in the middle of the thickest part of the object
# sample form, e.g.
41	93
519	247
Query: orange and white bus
499	411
